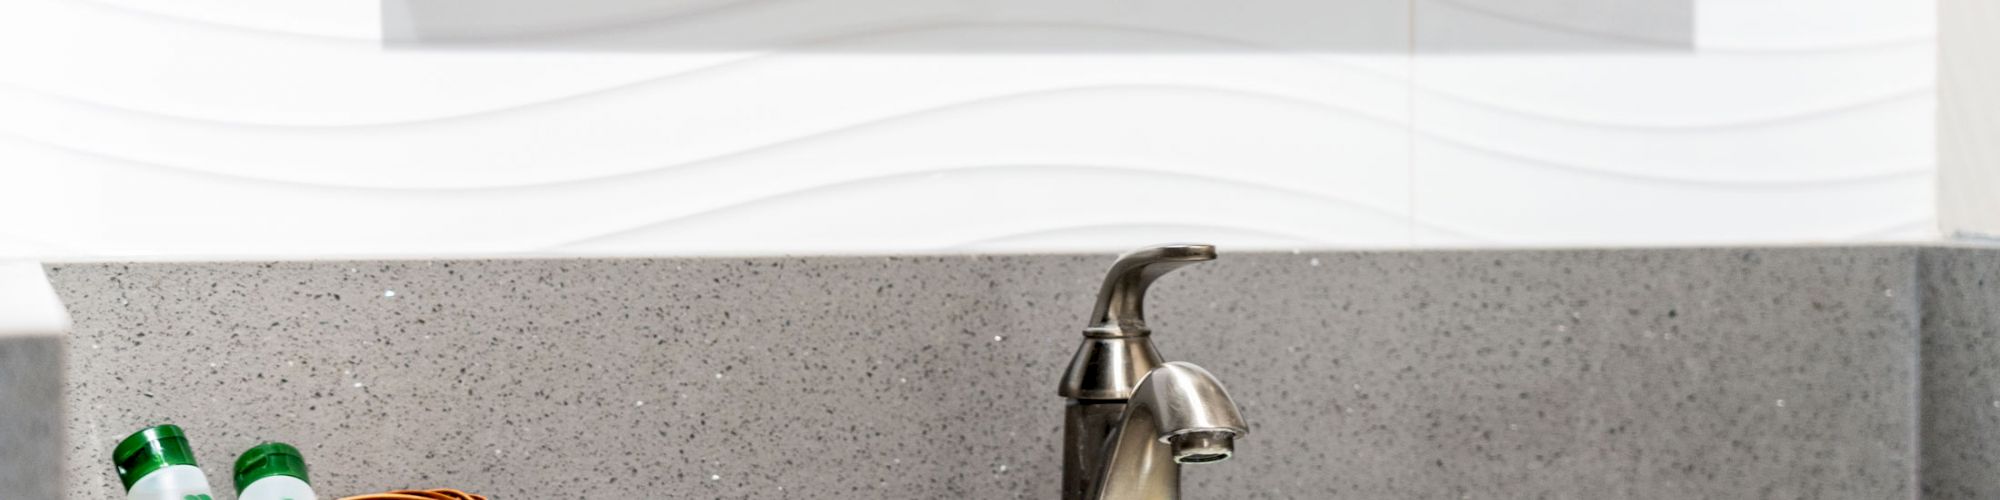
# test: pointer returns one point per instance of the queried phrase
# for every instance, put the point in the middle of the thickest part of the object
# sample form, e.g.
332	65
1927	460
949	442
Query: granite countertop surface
1664	373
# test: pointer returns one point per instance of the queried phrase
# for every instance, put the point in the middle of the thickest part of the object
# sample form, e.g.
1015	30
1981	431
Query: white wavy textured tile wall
218	129
1793	121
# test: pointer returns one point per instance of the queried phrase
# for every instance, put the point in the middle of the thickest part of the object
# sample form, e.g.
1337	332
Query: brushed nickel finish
1117	347
1179	415
1132	418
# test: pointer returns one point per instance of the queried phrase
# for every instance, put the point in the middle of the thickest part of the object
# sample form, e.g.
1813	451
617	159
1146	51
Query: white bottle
157	463
272	471
278	488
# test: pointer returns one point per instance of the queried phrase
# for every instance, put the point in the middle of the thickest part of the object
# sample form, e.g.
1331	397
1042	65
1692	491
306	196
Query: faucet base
1087	424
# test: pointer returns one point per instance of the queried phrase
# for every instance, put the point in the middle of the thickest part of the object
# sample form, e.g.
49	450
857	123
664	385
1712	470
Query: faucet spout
1179	414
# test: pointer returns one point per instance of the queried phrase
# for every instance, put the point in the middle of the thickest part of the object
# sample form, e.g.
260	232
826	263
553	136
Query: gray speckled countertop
31	417
1636	374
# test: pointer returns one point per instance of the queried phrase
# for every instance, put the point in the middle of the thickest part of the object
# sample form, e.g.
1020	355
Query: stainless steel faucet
1133	418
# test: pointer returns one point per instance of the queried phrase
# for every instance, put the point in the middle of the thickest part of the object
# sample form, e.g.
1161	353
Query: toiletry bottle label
179	482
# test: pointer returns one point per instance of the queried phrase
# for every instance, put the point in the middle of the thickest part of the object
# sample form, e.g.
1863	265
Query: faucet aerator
1203	447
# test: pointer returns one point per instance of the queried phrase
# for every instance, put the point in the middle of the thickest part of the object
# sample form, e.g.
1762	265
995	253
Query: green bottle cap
269	459
151	449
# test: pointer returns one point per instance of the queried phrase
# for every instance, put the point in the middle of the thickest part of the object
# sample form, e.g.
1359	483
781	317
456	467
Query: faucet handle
1121	303
1117	347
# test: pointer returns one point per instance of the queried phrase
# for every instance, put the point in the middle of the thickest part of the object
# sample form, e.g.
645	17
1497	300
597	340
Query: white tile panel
230	129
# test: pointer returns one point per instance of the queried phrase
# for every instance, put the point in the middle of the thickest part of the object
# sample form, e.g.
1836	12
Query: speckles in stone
561	352
388	293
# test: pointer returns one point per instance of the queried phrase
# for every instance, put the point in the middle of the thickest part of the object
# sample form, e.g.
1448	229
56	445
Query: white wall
235	128
1968	154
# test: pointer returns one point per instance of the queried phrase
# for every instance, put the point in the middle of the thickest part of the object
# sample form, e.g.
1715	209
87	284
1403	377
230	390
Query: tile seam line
1920	268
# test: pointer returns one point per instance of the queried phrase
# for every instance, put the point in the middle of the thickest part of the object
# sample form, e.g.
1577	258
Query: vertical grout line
1410	125
1921	305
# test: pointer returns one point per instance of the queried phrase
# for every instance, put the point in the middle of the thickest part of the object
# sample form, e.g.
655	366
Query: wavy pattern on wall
1825	136
193	130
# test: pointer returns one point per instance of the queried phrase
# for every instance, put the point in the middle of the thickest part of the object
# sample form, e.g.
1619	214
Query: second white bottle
272	471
